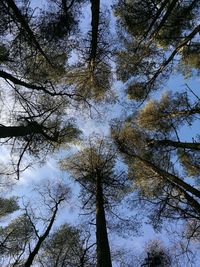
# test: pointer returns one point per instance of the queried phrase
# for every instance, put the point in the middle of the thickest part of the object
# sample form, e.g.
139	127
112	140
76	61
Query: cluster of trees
51	70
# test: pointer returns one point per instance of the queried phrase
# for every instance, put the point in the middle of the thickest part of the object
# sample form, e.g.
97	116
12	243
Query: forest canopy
99	110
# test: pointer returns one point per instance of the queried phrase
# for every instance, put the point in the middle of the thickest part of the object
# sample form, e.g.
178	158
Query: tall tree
41	79
67	246
155	28
157	255
152	169
23	237
94	169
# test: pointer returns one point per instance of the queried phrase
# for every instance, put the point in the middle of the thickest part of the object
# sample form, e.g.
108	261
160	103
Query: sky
50	170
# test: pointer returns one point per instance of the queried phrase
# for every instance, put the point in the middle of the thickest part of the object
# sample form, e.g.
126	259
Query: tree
15	239
157	255
51	68
94	169
67	246
41	80
153	29
160	162
7	206
23	237
32	66
146	160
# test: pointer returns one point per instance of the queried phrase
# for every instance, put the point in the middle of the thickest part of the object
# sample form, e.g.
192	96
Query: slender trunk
95	9
157	15
171	178
174	53
165	17
103	249
176	144
192	202
41	239
19	131
182	186
30	129
8	76
10	4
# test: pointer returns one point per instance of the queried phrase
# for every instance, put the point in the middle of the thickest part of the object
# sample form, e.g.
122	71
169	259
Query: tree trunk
171	178
95	9
41	239
103	249
177	144
20	131
10	5
174	53
165	17
184	187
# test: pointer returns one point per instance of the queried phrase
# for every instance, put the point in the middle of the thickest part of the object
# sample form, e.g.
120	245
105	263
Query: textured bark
103	249
95	8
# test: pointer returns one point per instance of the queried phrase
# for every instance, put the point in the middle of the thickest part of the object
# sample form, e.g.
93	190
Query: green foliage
15	236
190	58
7	206
157	255
4	53
149	30
90	82
170	112
97	160
50	63
190	161
137	91
65	247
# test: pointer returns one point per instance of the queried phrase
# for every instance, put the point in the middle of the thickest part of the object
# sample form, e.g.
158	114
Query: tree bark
95	9
176	144
103	249
183	187
20	131
157	15
165	17
10	77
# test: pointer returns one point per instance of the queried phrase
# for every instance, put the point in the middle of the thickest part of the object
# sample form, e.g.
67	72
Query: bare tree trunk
41	239
95	9
103	249
176	144
19	131
13	9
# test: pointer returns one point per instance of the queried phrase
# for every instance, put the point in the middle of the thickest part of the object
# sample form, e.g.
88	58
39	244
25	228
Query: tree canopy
127	69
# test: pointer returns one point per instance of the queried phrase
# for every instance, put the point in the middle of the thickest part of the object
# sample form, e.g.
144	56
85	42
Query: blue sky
50	170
